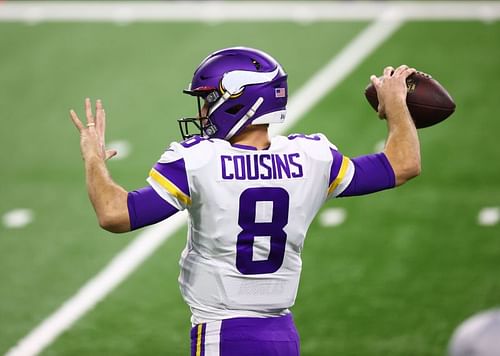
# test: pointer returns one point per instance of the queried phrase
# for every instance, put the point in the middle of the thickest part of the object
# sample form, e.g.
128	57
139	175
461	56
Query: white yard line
96	289
339	68
37	11
151	238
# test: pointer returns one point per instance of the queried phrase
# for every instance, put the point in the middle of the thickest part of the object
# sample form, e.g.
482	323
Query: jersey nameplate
264	166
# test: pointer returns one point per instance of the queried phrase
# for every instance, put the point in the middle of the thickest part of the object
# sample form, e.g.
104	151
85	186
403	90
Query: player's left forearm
402	146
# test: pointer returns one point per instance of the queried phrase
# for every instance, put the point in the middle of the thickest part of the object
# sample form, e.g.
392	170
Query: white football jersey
249	211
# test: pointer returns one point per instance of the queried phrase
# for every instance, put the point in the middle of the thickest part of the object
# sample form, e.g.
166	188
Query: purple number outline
190	142
307	137
250	229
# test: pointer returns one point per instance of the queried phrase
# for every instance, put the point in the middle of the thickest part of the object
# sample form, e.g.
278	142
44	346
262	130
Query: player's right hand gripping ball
428	101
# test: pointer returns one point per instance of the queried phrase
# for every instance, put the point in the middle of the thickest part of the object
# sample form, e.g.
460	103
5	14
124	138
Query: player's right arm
402	146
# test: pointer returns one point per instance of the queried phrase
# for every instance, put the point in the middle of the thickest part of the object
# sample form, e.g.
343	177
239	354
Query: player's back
249	213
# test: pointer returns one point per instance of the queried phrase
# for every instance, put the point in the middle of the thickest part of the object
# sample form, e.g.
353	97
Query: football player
250	197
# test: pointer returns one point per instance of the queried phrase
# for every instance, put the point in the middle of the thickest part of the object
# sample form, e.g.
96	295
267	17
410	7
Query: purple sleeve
372	173
146	207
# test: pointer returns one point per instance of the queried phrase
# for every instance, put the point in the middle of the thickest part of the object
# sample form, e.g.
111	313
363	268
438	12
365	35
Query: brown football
428	101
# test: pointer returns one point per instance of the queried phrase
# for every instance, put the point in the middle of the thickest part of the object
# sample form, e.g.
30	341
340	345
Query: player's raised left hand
92	135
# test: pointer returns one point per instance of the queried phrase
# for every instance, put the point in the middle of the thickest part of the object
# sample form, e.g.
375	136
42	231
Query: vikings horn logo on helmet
234	82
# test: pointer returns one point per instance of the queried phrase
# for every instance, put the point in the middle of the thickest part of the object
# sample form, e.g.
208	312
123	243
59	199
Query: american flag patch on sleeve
279	92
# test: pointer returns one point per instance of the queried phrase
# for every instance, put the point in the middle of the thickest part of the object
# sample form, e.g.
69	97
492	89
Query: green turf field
395	278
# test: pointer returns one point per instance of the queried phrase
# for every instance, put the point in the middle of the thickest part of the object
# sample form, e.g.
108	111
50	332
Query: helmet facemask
201	125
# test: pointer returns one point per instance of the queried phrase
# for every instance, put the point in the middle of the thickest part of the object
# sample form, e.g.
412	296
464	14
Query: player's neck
254	135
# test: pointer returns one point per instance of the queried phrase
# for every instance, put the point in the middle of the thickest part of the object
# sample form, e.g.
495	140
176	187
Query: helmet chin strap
245	118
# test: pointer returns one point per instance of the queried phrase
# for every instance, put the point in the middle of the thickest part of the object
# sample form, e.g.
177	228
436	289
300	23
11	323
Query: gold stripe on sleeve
169	186
340	176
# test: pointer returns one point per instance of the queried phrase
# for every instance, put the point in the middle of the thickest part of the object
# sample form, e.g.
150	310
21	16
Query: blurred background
389	274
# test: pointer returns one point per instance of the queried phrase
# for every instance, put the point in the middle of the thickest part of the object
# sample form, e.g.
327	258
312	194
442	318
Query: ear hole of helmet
233	110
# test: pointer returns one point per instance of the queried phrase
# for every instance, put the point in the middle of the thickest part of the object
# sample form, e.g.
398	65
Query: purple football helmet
241	86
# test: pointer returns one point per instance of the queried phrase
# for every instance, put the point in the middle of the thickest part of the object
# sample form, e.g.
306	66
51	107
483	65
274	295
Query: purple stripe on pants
194	339
203	333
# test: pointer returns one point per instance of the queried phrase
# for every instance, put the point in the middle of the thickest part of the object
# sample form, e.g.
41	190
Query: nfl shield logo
279	92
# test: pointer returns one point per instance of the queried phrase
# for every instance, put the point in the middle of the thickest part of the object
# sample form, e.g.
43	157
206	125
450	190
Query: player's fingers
88	113
99	118
76	121
388	71
375	80
102	128
103	123
408	71
111	154
400	69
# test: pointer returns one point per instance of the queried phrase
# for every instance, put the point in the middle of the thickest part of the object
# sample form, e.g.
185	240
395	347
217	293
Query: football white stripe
212	338
489	216
217	11
339	68
17	218
96	289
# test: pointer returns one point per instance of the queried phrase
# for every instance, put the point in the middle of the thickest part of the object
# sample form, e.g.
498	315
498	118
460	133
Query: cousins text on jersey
261	166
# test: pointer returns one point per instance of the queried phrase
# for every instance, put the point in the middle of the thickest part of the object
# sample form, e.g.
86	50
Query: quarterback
250	197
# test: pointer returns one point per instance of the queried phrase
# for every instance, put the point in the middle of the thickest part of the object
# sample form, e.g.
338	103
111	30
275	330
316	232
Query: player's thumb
110	154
